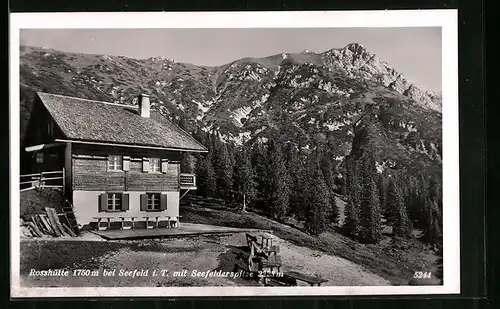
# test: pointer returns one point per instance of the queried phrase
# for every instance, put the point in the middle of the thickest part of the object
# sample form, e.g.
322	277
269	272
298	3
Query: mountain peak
355	48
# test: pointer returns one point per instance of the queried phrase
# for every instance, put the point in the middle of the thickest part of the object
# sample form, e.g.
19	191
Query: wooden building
121	162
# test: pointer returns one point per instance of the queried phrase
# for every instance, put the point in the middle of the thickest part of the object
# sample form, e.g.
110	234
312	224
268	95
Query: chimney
144	105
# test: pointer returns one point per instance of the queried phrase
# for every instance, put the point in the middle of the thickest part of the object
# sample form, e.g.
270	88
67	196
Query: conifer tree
244	177
260	165
400	221
223	171
295	167
279	197
200	171
187	163
205	174
432	231
182	123
351	223
316	198
211	182
334	212
351	212
329	175
201	137
382	192
369	212
435	191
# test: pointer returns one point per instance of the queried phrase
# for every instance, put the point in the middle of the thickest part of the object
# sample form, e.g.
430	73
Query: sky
414	52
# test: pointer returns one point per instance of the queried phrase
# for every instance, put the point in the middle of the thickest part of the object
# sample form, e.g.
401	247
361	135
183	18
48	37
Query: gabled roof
96	121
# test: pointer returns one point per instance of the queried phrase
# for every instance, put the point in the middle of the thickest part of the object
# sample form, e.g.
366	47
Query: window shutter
145	165
163	202
126	163
164	165
103	202
144	202
125	202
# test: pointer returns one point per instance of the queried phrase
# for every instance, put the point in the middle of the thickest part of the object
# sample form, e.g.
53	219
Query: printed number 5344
422	275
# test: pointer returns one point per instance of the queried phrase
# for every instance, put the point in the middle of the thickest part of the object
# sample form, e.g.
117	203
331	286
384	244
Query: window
114	163
39	157
114	201
155	165
153	201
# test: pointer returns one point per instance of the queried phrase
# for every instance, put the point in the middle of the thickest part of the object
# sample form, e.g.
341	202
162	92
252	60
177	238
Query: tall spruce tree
260	165
295	167
187	163
353	189
223	171
205	174
279	197
432	231
400	221
199	169
328	171
244	177
382	193
317	197
369	212
435	191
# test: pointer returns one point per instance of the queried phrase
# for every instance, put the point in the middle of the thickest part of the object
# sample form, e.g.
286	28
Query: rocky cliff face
357	62
307	97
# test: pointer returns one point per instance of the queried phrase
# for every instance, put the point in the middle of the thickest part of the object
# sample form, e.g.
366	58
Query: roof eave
205	150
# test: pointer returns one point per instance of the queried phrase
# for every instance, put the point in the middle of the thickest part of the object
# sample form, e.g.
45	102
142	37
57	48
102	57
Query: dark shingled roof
96	121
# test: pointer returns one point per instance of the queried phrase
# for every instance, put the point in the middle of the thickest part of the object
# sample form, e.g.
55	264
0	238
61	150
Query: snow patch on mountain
380	167
334	126
240	114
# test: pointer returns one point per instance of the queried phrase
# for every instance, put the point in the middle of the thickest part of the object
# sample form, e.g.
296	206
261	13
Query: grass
393	259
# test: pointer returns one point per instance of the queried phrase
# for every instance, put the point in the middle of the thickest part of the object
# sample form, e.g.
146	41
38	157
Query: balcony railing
53	179
187	181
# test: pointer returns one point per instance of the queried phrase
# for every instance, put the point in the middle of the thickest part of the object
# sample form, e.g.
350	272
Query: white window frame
155	165
153	201
115	163
115	202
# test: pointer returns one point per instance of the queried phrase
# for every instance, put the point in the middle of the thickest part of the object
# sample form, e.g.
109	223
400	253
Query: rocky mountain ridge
307	97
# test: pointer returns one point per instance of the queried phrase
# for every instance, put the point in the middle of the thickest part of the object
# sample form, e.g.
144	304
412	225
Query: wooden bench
156	219
108	226
272	262
132	220
155	223
176	220
273	250
266	242
311	280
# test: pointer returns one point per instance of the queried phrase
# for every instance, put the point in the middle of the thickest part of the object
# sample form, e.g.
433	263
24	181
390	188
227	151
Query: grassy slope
34	201
394	260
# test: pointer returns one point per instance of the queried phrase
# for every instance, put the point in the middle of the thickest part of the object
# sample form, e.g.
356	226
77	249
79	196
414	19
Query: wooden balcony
187	181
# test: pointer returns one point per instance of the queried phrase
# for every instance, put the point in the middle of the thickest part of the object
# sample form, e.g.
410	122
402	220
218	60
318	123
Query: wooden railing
52	179
187	180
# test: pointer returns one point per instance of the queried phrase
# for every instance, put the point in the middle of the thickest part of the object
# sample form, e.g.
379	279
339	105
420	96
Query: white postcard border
447	19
